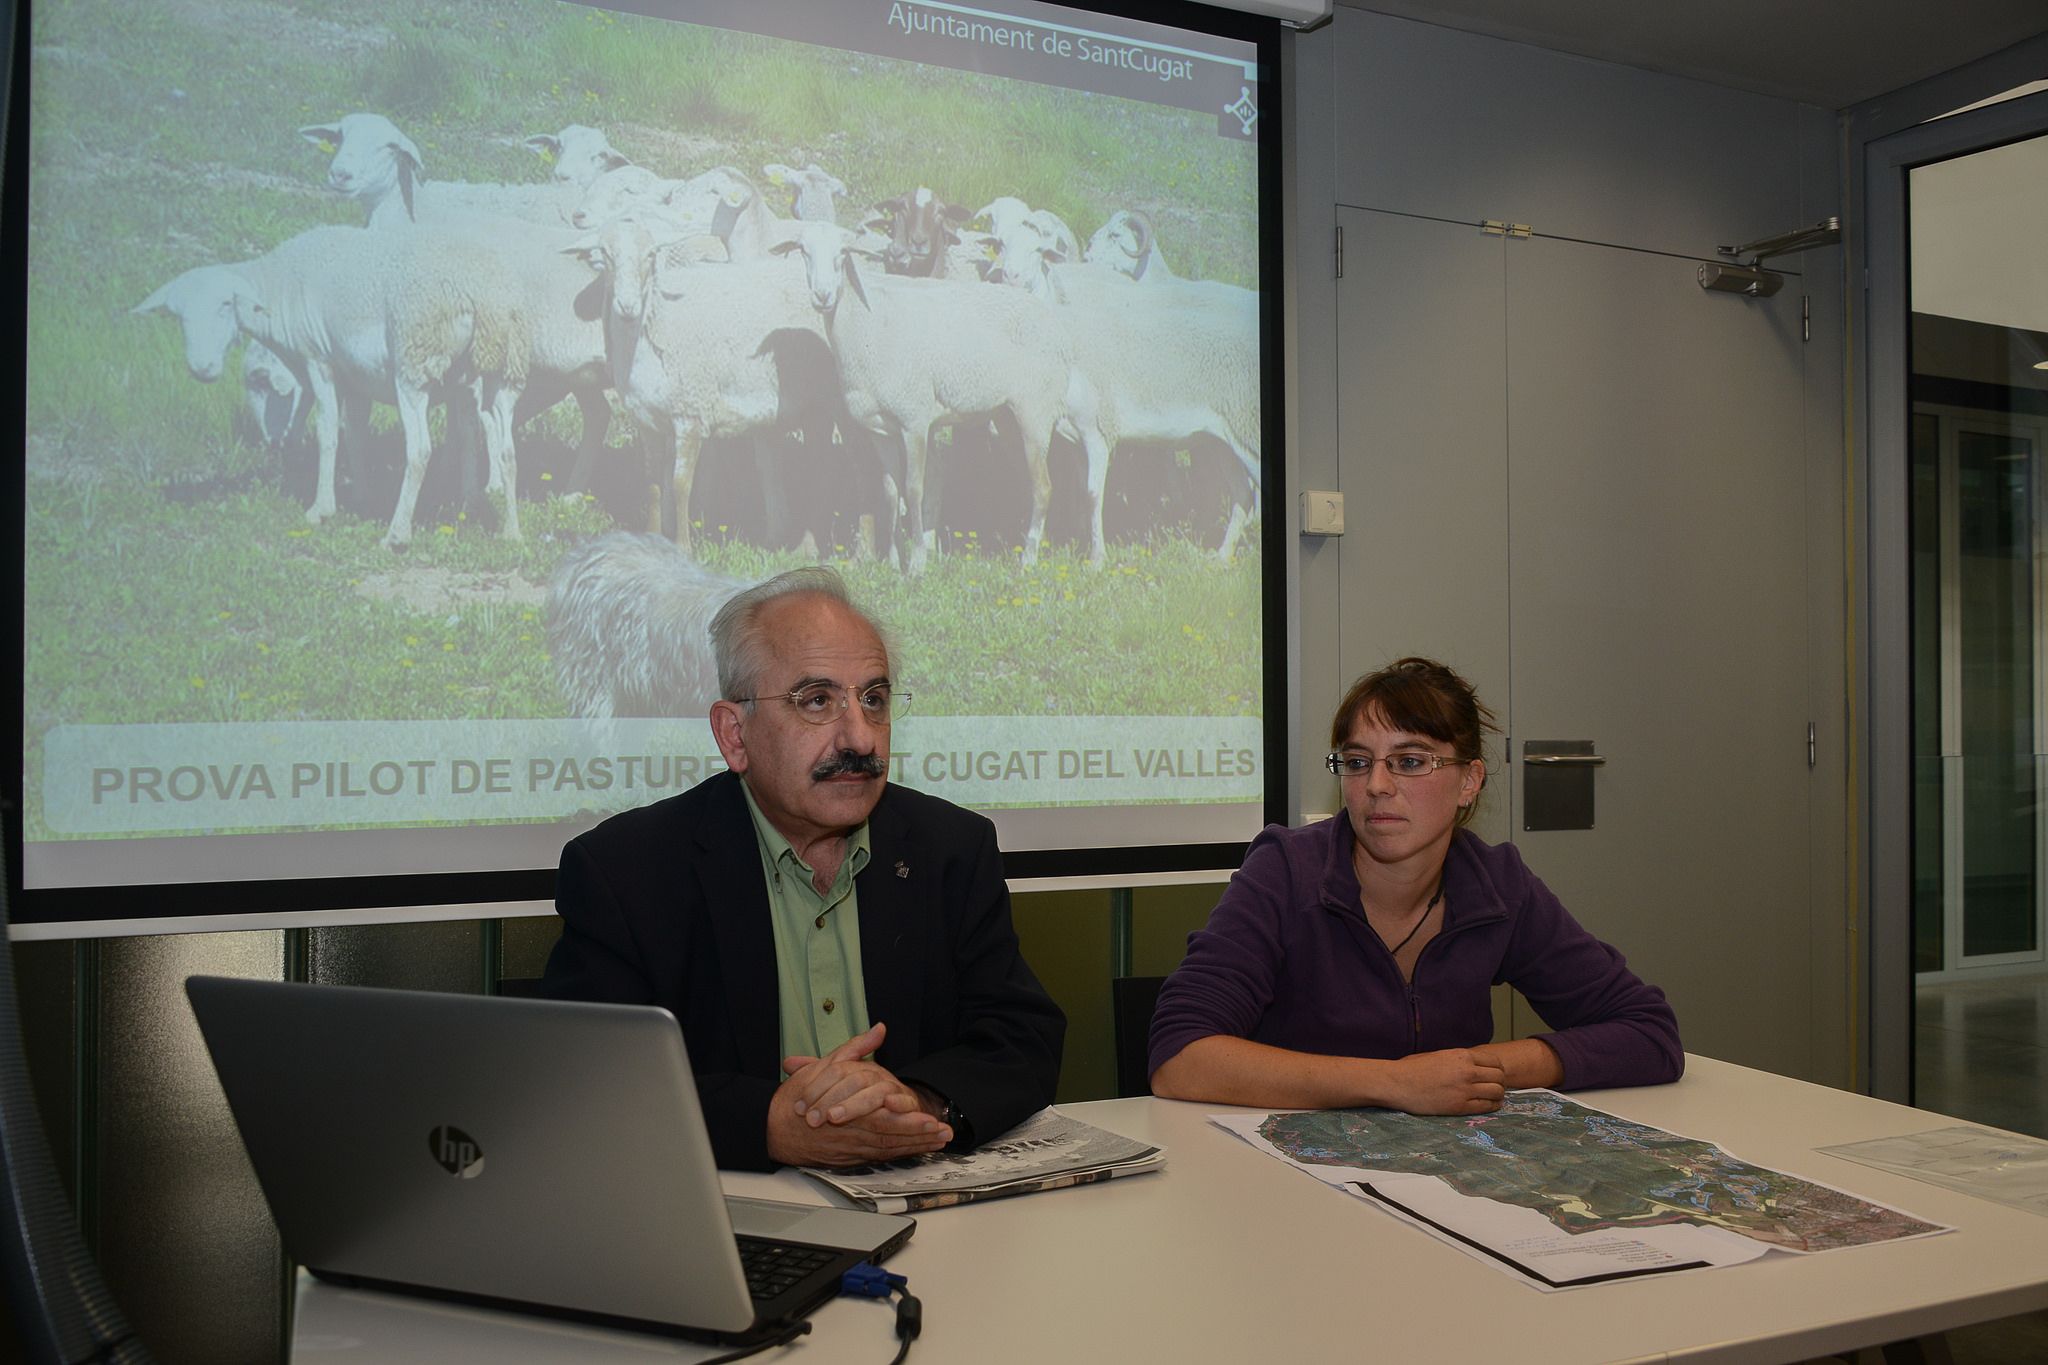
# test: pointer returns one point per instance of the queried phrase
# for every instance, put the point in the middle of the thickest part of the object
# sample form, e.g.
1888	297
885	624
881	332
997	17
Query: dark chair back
1131	1000
62	1311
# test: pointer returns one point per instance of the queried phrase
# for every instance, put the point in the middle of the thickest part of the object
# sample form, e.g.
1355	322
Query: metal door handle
1566	760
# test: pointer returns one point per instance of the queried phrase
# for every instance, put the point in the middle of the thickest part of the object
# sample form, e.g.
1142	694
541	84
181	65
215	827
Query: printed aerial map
1585	1171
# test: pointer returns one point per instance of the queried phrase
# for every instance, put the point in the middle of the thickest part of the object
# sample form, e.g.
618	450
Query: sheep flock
844	357
709	304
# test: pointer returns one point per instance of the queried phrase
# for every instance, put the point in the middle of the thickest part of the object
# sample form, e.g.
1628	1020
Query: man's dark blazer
667	905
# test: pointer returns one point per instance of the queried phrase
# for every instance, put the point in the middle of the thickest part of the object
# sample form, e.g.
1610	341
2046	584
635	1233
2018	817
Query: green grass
1161	629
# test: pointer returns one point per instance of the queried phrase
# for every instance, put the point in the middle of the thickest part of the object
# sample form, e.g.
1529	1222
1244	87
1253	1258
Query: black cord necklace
1410	936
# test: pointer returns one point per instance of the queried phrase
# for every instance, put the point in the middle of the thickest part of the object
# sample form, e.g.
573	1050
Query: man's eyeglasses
1408	763
821	702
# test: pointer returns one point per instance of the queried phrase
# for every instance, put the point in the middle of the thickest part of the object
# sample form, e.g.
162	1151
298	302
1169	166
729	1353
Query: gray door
1422	427
1658	557
1521	500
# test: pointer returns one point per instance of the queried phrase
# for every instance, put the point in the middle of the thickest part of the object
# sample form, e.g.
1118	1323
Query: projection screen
407	383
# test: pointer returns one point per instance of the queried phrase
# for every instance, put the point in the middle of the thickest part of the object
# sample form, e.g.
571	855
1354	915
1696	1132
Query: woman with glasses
1351	962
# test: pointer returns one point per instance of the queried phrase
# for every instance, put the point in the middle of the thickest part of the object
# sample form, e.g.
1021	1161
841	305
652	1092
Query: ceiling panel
1833	53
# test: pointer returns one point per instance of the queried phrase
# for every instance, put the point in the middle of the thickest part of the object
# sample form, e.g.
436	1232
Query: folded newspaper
1045	1152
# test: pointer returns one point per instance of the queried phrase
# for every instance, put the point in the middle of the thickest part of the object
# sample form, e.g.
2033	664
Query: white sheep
917	352
721	201
215	305
398	317
742	218
1173	361
1027	264
578	154
628	622
717	351
1016	226
381	168
273	415
617	191
813	189
1049	274
1002	214
709	202
1127	244
1166	364
561	337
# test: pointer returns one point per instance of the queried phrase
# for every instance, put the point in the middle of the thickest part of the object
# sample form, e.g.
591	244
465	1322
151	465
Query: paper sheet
2002	1167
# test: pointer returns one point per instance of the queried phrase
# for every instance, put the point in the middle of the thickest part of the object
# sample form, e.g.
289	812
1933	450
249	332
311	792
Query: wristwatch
949	1113
963	1130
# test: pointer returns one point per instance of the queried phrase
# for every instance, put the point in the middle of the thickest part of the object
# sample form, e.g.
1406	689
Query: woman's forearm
1221	1069
1225	1070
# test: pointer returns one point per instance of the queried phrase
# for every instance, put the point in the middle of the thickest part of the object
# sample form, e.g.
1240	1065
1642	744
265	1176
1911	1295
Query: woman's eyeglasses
1409	763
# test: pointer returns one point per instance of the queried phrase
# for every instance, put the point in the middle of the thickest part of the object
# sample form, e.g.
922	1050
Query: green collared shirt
823	997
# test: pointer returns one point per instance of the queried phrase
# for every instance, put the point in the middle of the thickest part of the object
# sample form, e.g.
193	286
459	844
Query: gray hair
737	644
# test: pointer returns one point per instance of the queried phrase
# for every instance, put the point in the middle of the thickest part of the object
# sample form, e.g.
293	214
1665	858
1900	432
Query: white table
1230	1255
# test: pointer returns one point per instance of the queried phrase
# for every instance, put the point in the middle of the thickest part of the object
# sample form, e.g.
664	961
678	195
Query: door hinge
1812	745
1495	227
1340	251
1806	317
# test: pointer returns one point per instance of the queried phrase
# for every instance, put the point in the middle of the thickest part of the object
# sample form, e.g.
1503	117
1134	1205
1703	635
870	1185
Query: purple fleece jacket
1289	960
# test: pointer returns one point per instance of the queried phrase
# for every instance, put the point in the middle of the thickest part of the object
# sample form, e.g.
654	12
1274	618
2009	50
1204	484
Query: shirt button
819	921
829	1007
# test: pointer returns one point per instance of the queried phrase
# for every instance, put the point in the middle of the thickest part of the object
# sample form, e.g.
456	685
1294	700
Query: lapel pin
902	868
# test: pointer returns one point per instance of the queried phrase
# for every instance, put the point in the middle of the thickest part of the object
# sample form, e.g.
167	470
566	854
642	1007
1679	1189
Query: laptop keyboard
772	1268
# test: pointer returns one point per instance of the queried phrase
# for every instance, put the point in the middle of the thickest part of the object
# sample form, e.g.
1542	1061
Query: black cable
909	1322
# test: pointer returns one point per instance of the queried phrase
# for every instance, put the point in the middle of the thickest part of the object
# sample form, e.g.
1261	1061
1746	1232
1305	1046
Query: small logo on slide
456	1152
1247	112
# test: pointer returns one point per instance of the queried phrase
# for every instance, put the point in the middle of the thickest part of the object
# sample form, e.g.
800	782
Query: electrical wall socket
1322	514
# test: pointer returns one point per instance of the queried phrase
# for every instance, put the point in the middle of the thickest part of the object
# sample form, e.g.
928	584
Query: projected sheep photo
454	361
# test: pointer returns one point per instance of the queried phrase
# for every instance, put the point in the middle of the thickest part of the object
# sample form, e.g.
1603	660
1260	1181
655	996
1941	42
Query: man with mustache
839	950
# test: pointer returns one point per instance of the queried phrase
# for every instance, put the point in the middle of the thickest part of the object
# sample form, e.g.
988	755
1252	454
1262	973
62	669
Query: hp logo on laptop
456	1152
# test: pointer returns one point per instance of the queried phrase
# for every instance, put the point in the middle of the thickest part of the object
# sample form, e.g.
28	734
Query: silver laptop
530	1154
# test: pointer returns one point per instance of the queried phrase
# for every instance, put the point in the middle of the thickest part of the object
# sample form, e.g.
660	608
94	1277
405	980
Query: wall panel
1452	125
185	1238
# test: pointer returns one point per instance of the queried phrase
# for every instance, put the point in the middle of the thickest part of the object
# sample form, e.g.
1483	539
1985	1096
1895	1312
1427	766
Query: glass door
1978	690
1978	403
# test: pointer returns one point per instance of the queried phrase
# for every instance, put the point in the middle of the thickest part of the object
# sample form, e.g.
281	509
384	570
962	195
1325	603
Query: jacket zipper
1414	1000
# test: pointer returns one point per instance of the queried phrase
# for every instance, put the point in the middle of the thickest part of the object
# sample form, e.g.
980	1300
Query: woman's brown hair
1422	697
